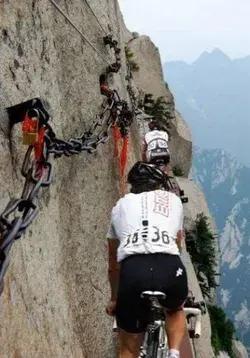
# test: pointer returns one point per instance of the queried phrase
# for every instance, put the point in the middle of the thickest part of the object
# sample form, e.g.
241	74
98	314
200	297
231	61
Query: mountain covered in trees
226	186
212	94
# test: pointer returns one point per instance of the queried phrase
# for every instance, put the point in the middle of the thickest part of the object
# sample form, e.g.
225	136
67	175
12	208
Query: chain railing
42	141
37	168
114	67
118	113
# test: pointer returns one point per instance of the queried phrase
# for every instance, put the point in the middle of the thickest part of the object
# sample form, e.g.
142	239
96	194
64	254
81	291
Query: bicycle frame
155	332
155	340
158	325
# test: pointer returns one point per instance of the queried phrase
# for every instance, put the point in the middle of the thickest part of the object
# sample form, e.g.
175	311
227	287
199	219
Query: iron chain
118	113
115	67
20	213
136	104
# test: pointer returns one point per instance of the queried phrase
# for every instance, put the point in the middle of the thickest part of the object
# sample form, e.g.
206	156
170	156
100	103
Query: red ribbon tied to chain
123	154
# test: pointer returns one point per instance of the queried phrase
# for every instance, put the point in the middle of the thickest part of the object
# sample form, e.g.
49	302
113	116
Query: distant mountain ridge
225	183
213	96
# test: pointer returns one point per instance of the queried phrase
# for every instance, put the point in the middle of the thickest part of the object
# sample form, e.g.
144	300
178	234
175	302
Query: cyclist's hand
110	309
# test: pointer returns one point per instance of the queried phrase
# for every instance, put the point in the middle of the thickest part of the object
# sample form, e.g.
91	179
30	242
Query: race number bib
162	143
159	237
157	143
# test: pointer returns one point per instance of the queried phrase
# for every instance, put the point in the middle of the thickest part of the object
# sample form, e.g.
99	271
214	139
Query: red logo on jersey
161	201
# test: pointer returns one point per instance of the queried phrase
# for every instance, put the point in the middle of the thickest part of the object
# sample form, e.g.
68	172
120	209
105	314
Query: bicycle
155	340
155	344
171	186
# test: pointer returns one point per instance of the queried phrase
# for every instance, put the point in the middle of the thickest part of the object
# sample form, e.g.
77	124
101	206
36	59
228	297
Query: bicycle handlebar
114	325
145	115
188	310
197	313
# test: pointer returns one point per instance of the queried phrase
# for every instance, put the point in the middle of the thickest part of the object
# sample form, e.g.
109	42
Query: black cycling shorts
154	272
159	154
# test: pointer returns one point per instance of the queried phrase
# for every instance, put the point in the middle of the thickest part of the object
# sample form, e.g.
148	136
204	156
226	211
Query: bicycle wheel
163	343
152	344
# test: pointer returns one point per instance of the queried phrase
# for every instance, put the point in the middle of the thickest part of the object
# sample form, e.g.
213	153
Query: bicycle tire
152	345
163	341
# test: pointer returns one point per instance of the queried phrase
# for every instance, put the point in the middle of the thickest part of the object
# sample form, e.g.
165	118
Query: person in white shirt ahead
155	146
144	239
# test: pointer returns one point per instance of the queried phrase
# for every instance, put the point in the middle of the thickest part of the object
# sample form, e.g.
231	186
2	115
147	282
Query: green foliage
135	34
178	171
128	53
133	66
157	108
129	56
148	99
166	85
223	330
201	246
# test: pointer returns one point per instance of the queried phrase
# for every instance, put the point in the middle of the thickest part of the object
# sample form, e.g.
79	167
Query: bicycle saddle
153	294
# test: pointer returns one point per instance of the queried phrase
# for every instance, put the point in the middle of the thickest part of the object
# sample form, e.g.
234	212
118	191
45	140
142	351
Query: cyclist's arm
179	240
114	267
180	233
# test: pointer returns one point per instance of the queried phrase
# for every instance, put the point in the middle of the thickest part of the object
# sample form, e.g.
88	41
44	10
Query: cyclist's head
146	177
156	125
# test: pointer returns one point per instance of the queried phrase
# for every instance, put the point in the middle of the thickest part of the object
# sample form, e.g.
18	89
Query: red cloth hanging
122	154
117	136
123	162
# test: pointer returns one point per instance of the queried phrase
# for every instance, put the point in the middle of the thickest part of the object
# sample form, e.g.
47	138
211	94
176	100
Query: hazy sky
183	29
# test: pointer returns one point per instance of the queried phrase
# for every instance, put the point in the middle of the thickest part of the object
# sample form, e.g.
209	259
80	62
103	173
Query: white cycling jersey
156	139
146	223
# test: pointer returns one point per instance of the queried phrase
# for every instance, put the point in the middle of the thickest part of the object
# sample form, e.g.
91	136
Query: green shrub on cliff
201	247
223	330
178	171
135	34
129	56
157	108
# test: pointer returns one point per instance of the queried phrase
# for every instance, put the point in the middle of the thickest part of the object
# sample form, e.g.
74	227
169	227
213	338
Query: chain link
20	213
108	40
115	67
118	113
136	104
131	93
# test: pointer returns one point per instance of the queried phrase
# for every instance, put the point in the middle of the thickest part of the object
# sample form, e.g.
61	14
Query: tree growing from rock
178	171
201	247
129	56
135	35
157	108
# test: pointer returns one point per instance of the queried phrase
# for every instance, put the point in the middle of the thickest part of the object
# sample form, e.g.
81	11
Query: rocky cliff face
196	204
239	350
56	286
150	80
56	289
